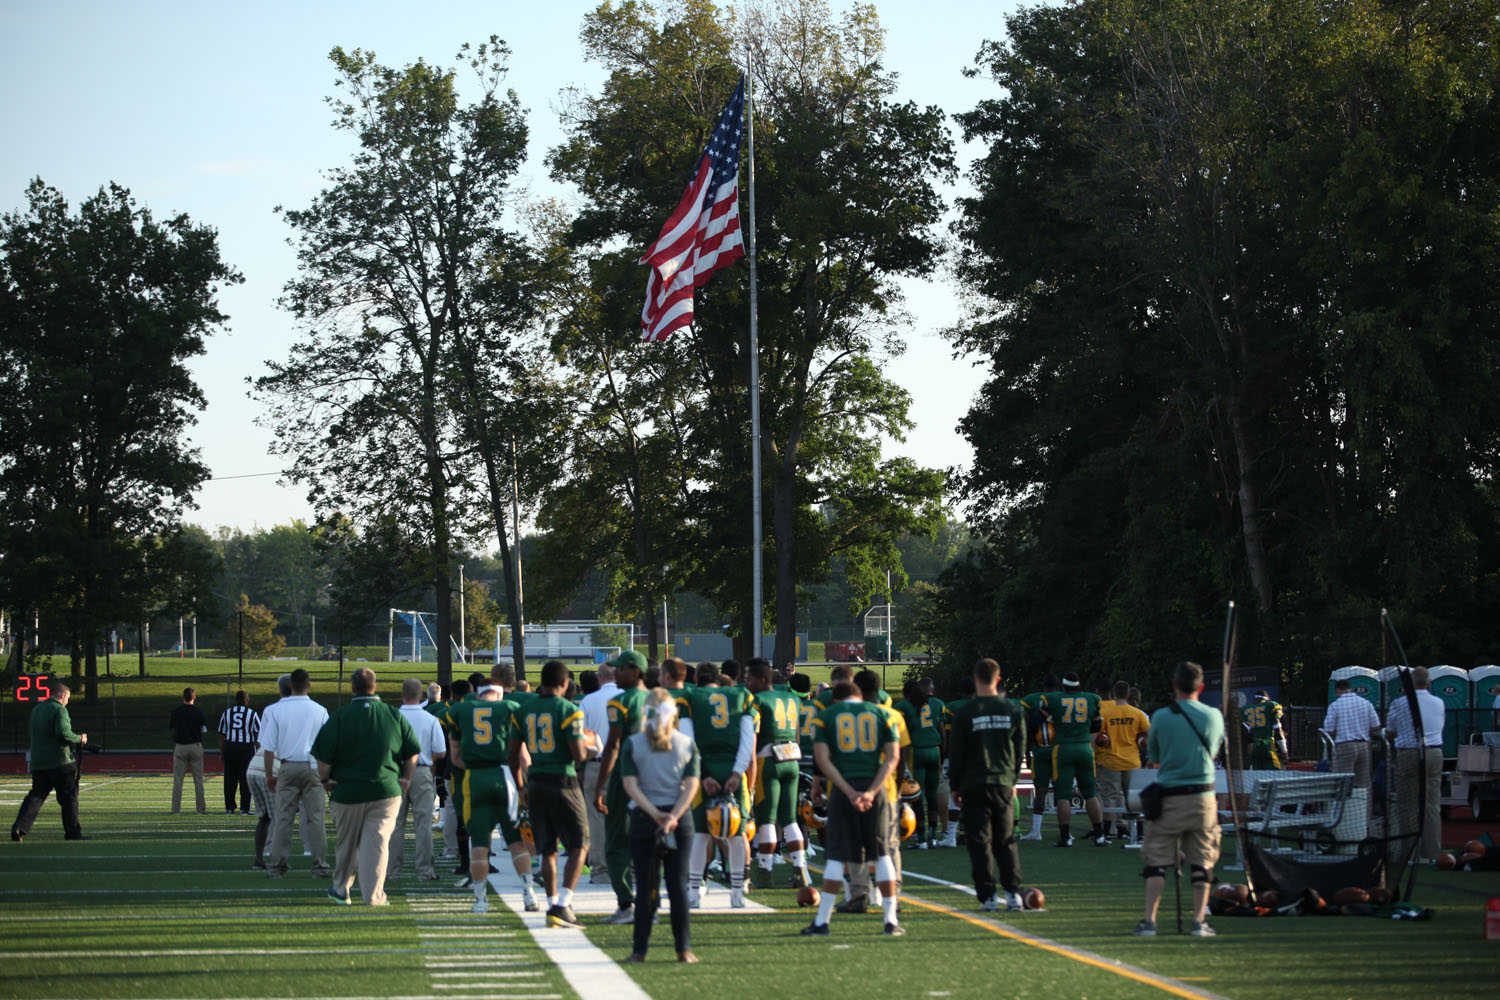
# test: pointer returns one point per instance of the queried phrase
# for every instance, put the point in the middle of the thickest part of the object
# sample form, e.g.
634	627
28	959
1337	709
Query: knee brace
1154	871
1201	874
885	869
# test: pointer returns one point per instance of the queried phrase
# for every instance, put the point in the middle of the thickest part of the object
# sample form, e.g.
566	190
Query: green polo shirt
366	743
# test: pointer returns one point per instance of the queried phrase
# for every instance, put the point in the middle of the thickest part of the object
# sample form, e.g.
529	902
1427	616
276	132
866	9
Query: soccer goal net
411	637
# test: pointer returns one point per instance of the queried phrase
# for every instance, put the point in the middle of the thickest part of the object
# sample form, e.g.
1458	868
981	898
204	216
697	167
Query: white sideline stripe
409	996
591	973
189	891
480	975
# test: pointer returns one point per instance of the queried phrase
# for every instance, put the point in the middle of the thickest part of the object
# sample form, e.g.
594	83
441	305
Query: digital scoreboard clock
33	687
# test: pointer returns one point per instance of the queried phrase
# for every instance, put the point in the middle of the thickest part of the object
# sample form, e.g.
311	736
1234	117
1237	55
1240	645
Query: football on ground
1033	899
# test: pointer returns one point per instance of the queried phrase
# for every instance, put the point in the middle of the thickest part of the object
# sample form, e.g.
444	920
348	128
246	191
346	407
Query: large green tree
412	293
1234	266
846	205
101	312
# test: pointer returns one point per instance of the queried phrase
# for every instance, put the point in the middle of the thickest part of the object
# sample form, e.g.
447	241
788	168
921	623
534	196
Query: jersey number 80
856	732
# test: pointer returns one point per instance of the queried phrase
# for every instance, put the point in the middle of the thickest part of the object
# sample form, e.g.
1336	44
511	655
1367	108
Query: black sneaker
895	930
16	835
1064	842
816	930
562	916
462	869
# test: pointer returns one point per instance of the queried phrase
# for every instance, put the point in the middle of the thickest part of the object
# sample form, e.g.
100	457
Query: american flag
703	233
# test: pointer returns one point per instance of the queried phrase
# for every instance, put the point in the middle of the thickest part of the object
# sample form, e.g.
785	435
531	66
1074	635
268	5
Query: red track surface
124	762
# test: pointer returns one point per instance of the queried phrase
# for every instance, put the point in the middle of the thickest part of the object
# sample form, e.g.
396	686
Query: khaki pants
1353	757
1188	823
417	802
598	867
297	788
187	757
1112	788
1409	807
364	830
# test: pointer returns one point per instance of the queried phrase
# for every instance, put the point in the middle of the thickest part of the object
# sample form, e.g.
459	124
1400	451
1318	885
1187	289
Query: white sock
767	861
799	860
551	900
1036	822
889	905
953	828
737	849
833	873
481	888
698	861
565	897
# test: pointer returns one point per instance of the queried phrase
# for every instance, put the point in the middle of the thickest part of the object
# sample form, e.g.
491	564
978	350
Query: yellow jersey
1124	724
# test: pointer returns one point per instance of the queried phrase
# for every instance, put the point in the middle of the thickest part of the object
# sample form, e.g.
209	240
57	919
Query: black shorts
853	836
557	814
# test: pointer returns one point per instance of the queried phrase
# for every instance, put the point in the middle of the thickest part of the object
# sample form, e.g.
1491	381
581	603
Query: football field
165	906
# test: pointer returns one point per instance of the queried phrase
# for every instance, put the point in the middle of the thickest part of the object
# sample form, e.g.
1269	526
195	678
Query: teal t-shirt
1177	751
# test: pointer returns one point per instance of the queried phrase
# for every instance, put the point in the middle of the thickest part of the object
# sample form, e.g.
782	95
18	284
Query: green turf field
167	906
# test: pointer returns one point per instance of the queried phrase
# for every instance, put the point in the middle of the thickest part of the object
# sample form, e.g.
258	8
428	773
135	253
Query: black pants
237	758
989	823
651	862
62	780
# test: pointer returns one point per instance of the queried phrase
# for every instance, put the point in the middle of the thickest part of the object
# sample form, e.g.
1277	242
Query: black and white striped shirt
239	724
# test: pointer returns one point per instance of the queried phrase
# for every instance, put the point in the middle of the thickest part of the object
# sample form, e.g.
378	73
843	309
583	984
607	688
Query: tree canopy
1234	264
101	311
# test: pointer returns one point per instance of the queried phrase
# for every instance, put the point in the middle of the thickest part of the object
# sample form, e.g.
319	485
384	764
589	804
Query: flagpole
757	590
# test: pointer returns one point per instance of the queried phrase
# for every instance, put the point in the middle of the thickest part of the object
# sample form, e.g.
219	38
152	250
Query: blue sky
218	111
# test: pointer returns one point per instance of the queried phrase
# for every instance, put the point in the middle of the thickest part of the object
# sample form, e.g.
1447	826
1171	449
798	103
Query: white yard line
591	973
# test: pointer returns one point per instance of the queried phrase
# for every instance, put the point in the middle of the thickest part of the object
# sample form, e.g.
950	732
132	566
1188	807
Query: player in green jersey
480	743
987	747
1039	739
925	723
778	759
550	728
454	832
626	717
857	746
1075	718
722	722
1267	739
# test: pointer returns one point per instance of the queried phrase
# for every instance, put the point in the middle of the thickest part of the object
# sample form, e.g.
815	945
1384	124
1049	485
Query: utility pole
463	635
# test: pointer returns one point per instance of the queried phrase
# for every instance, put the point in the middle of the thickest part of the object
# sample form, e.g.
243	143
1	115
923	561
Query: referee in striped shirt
239	728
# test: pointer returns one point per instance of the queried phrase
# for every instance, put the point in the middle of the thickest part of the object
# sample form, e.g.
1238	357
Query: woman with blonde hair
660	770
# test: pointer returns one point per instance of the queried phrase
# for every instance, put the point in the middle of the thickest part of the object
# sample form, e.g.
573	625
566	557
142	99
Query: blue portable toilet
1451	686
1484	688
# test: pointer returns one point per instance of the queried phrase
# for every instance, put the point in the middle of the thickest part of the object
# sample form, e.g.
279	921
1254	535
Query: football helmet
523	824
724	818
750	829
908	821
910	790
813	817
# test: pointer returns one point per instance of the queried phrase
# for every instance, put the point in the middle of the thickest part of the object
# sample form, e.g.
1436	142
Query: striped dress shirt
239	724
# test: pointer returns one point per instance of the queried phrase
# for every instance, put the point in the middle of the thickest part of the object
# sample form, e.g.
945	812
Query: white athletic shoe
528	900
990	905
1013	902
1036	835
695	899
482	905
736	899
949	841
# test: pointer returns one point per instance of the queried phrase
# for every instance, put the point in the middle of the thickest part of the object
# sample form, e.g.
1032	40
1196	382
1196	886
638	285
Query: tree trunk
1251	518
140	647
783	528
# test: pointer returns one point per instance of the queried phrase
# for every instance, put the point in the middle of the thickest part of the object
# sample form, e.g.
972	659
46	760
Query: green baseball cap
628	658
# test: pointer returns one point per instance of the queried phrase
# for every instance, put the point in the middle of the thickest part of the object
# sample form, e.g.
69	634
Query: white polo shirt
289	726
1399	722
429	733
